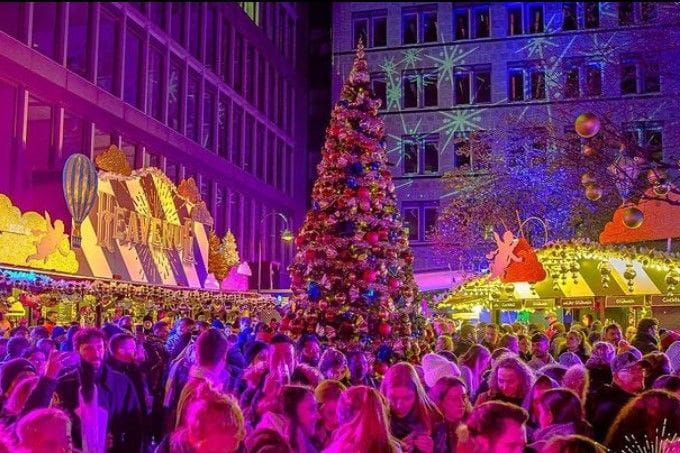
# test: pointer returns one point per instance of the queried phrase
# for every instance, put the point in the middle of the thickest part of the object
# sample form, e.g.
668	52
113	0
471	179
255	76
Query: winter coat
401	428
117	396
536	363
600	375
645	343
462	346
543	435
156	364
138	379
603	407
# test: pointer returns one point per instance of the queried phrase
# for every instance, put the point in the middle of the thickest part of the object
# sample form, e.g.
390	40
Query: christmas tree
222	255
229	249
352	274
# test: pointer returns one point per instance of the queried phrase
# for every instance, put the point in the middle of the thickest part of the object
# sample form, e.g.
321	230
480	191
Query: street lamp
286	235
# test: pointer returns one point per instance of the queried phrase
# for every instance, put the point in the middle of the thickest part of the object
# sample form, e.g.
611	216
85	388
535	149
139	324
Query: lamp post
286	235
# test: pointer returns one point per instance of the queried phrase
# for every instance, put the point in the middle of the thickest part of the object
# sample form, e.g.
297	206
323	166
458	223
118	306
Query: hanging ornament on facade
587	125
593	193
633	218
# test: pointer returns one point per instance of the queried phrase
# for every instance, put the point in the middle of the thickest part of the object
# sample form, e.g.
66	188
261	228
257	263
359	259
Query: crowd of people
197	386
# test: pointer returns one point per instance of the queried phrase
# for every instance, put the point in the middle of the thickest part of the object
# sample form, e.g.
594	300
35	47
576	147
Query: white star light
536	46
389	67
448	59
410	58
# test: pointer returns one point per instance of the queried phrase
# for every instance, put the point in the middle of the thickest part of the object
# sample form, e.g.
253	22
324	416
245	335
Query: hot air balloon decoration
80	190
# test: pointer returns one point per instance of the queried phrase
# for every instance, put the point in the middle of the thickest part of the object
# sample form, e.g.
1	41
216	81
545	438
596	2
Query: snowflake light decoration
448	59
536	46
410	58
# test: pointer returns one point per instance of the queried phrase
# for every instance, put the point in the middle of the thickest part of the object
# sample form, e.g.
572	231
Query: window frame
420	142
420	208
420	13
370	18
420	75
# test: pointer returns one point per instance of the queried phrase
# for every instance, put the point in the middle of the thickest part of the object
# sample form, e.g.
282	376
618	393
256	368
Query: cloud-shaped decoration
529	269
661	214
189	190
113	160
18	240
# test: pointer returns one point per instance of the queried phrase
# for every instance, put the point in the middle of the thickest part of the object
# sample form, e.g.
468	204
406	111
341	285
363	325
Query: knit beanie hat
10	371
673	353
436	367
603	353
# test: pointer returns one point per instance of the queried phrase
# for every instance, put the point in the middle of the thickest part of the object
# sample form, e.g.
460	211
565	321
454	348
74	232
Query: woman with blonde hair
414	418
450	396
327	395
364	428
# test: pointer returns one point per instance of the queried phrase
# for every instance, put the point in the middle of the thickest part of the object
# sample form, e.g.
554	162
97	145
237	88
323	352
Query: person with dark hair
67	344
540	355
295	419
155	368
577	344
613	334
450	396
181	338
309	349
266	440
16	347
598	365
327	394
657	364
491	335
465	340
476	360
669	383
628	380
509	342
560	413
510	381
652	416
333	365
38	333
524	347
359	370
495	427
96	382
647	336
210	367
573	444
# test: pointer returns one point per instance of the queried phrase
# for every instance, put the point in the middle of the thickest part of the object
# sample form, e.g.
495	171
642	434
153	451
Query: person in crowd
94	382
214	424
450	396
309	349
509	342
587	321
123	350
491	336
598	365
333	365
37	358
436	367
16	401
200	327
540	355
181	338
359	369
541	385
572	444
630	333
628	379
667	382
155	368
267	441
210	367
414	418
38	333
246	332
13	372
576	378
653	416
568	359
20	331
551	319
494	427
466	340
657	365
16	347
44	430
577	344
524	346
327	394
477	360
594	336
560	413
67	344
647	336
443	343
5	325
46	345
510	381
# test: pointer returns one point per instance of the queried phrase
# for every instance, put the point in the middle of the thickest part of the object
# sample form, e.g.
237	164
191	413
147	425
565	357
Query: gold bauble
633	218
587	125
593	193
662	189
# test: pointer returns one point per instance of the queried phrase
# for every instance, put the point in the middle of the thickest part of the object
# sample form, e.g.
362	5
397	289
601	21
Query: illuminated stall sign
539	304
663	301
624	301
576	302
507	305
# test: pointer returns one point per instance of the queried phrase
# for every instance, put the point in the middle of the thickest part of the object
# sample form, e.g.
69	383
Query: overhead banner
143	228
624	301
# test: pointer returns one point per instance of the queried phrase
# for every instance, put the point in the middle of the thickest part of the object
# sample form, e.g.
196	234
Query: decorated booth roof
580	268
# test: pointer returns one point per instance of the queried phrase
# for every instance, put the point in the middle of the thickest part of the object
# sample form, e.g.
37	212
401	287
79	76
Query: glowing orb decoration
593	193
633	218
587	125
662	189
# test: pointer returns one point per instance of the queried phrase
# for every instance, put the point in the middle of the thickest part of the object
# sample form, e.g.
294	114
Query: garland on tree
352	274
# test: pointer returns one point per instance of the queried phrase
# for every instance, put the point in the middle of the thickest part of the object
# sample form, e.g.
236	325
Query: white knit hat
673	353
436	367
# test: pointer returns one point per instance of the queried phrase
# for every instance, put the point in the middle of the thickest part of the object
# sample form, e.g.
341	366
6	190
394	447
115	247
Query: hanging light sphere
662	189
633	218
629	274
587	125
593	193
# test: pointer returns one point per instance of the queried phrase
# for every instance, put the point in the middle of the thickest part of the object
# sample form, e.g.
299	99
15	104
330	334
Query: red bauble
309	255
384	329
369	276
381	368
363	193
393	283
372	237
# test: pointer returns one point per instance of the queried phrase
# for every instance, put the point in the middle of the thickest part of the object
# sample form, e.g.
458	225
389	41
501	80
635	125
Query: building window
647	11
260	150
526	82
210	27
640	77
421	155
516	85
419	25
12	20
261	82
237	135
461	150
252	9
227	62
195	29
237	63
193	88
481	23
461	24
175	92
370	27
537	80
74	137
592	14
157	14
572	12
248	151
571	82
648	136
107	55
250	73
223	124
45	15
177	22
569	16
515	20
154	89
535	18
420	219
626	13
472	85
379	88
78	45
209	118
420	88
593	80
133	67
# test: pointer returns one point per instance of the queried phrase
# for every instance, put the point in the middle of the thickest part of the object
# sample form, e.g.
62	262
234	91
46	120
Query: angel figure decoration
503	255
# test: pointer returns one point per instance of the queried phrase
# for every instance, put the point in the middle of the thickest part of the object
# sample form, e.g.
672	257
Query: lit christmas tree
353	274
229	249
222	255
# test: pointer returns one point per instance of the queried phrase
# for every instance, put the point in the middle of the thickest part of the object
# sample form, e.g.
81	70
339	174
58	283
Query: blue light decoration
314	291
370	295
393	236
356	169
375	166
26	276
352	182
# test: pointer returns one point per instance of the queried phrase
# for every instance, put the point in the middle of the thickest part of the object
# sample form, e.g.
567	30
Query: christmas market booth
621	283
139	245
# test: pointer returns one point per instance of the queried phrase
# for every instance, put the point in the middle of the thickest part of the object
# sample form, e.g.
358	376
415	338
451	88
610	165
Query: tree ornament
593	193
364	194
370	295
313	291
588	150
633	218
356	169
384	329
352	182
372	237
587	125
